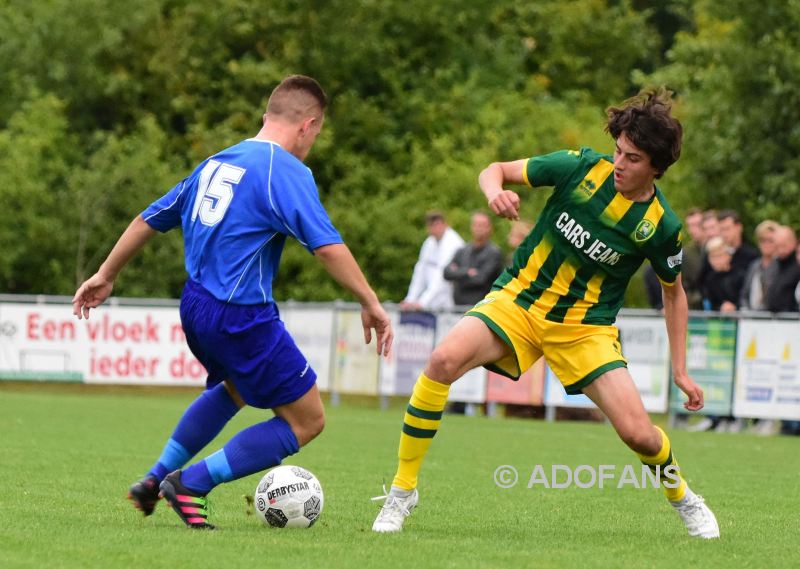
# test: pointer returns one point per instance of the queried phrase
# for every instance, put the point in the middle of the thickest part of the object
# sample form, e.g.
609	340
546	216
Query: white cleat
697	517
396	508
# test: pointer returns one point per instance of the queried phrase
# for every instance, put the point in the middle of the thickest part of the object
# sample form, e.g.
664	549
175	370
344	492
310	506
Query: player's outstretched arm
97	288
676	313
491	180
342	266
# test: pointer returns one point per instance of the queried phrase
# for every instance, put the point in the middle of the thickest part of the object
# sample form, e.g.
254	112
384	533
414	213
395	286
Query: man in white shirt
428	289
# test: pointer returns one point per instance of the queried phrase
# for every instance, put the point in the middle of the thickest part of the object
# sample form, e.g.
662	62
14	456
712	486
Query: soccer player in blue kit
236	210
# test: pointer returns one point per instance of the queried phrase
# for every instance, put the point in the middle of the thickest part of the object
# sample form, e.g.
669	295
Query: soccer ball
289	497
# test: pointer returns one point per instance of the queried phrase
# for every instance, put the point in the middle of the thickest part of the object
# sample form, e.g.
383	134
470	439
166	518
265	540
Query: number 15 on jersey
215	191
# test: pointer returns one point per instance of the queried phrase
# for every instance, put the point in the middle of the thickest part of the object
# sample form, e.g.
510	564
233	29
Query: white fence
748	366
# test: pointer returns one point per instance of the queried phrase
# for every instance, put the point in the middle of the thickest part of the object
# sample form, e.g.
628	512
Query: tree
110	104
737	80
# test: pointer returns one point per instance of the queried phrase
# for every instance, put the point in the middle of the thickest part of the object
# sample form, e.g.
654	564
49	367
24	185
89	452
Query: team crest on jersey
644	231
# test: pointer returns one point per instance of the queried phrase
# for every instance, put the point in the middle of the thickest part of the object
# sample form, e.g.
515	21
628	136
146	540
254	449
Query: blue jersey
236	210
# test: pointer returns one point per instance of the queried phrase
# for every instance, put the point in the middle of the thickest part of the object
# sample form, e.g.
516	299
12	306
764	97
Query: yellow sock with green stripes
421	421
664	459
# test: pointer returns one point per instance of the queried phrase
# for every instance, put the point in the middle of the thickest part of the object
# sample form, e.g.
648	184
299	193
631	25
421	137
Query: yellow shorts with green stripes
577	353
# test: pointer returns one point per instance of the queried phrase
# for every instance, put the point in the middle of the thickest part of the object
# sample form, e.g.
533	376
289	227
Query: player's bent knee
309	429
317	426
643	439
444	365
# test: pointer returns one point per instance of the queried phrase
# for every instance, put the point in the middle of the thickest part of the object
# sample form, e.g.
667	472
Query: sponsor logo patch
675	260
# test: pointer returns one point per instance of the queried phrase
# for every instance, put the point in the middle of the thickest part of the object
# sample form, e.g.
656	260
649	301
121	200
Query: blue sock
252	450
202	421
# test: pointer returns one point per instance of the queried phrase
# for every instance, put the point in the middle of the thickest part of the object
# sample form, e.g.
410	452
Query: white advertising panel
767	370
646	347
127	345
312	330
356	369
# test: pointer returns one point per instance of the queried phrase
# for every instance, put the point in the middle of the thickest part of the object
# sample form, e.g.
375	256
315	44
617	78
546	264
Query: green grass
68	454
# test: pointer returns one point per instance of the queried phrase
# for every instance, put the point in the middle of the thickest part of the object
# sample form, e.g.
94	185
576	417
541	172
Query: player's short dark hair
646	121
731	214
433	216
296	96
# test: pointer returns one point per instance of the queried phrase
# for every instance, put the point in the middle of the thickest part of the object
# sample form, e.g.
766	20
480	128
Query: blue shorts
246	344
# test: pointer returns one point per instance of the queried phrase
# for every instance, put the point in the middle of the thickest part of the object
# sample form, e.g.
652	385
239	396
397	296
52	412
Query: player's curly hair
647	122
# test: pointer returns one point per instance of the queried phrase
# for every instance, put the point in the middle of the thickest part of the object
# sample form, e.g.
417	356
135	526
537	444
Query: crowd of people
723	272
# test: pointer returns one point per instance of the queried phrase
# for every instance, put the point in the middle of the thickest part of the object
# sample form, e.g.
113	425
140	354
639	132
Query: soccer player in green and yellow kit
562	293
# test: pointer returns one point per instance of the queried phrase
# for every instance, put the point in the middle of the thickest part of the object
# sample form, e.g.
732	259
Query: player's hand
505	204
692	391
91	294
374	316
410	306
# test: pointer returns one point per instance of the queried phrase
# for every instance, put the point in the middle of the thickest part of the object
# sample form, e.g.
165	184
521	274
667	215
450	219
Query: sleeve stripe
525	173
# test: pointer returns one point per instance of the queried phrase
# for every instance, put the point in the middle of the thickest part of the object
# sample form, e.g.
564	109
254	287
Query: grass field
69	454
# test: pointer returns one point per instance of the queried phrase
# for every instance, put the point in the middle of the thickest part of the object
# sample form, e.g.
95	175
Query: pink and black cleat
191	508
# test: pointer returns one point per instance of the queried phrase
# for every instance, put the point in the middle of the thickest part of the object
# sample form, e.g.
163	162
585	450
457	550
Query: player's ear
309	123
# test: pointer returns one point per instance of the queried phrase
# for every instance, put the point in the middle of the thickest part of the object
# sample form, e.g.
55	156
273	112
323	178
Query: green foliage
737	77
106	105
36	151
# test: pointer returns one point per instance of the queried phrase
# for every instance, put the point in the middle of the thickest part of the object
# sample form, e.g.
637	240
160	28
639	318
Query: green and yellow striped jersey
576	263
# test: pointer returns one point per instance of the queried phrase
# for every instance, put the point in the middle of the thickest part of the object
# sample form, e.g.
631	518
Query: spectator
729	265
710	225
793	427
730	229
726	224
758	279
428	289
781	293
476	265
722	284
762	271
692	258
